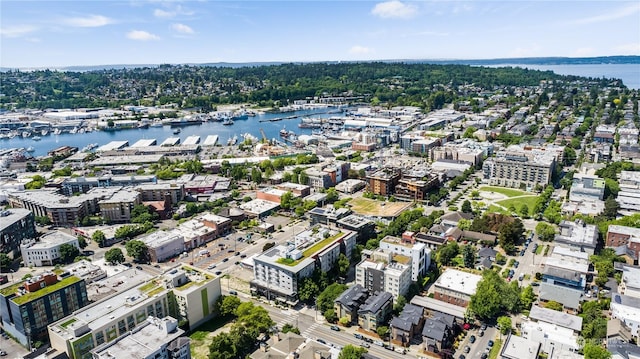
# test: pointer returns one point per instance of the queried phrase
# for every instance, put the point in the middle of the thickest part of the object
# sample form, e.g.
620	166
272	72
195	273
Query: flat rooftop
562	319
113	145
11	216
459	281
520	348
52	239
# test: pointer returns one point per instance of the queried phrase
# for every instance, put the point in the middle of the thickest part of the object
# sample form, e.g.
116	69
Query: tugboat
284	133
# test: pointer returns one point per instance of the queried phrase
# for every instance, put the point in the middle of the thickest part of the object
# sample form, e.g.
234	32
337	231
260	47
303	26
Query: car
481	333
462	356
321	341
484	356
490	344
220	244
467	349
237	253
243	256
368	340
357	336
516	264
535	284
534	248
156	266
211	266
3	353
335	327
400	351
230	251
365	345
236	263
378	343
472	339
511	272
226	259
218	272
522	253
138	267
233	292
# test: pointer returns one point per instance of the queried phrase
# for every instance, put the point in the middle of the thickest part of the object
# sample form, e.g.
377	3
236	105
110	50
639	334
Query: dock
171	141
191	140
144	143
211	140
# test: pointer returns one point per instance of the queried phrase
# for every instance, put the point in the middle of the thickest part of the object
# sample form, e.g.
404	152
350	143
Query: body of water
251	125
628	73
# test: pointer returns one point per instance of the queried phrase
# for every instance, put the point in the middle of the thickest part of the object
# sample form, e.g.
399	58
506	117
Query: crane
264	136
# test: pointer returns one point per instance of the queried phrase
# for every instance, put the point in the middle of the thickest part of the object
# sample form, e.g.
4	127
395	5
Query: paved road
481	344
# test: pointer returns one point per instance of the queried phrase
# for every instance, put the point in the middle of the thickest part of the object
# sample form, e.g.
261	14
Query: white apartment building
627	309
278	270
46	251
155	338
630	283
629	195
519	166
385	271
577	236
419	253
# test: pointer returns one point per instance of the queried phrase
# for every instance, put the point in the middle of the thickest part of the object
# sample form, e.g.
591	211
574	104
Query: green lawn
530	201
496	209
539	249
495	350
509	192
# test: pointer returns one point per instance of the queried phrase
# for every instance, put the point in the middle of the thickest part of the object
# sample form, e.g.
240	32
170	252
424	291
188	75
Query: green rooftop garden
46	290
311	250
68	323
191	270
148	287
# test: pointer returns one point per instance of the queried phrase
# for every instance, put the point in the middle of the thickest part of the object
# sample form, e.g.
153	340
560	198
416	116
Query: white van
203	252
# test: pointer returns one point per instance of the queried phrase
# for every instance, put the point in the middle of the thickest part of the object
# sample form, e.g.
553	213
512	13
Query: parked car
483	326
226	259
467	349
490	344
357	336
516	264
481	333
522	253
335	327
211	266
233	292
321	341
472	339
365	345
378	343
218	272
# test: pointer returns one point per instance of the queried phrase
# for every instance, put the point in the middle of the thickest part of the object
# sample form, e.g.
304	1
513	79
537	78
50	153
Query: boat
44	132
284	133
176	131
36	138
241	115
185	122
74	130
57	131
227	122
26	134
30	149
156	124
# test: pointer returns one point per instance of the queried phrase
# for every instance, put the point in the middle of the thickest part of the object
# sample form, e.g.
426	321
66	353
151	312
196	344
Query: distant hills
632	59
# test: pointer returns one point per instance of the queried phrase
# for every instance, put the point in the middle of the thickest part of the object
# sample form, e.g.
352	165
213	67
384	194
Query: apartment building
385	271
629	237
154	338
557	332
384	181
46	250
375	311
520	166
186	294
630	281
627	310
419	253
118	207
29	306
71	186
278	270
577	236
16	225
629	194
171	193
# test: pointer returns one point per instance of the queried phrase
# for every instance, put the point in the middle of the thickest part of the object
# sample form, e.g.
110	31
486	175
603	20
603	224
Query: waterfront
251	125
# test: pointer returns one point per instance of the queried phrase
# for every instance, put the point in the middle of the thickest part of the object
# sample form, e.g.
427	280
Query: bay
252	125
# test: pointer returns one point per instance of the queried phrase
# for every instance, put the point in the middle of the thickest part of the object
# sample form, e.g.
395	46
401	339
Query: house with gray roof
348	303
375	311
437	333
555	317
407	325
570	298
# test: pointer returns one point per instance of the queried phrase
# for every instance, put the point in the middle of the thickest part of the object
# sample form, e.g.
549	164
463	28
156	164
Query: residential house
348	303
407	325
627	309
437	333
556	331
375	311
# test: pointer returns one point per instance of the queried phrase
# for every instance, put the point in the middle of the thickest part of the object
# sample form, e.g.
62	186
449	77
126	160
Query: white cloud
182	29
17	31
360	50
394	9
632	48
613	15
141	35
88	21
172	12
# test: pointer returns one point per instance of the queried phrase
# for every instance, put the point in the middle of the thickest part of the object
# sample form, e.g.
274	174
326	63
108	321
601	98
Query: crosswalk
307	333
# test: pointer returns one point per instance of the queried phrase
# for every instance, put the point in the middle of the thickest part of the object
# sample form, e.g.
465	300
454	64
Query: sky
102	32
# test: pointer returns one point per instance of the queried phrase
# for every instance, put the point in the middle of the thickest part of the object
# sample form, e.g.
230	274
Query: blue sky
98	32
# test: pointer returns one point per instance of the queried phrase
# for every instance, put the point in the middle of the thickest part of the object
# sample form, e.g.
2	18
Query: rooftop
374	303
439	306
577	233
555	317
51	239
29	296
629	231
570	298
11	216
459	281
520	348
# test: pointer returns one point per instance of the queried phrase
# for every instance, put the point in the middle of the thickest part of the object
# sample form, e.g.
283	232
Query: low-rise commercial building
163	245
456	287
577	236
46	250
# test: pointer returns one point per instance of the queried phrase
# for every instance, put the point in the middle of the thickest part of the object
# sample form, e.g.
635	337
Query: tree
504	323
330	315
329	295
268	246
595	351
229	304
222	347
332	195
114	256
446	253
343	264
553	305
68	252
399	304
382	331
493	296
351	352
527	297
611	208
468	256
545	231
286	199
5	260
82	242
466	206
308	291
524	210
509	234
99	237
137	250
290	328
